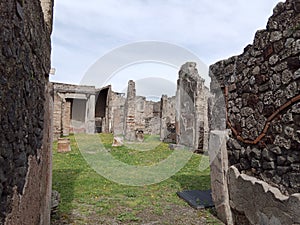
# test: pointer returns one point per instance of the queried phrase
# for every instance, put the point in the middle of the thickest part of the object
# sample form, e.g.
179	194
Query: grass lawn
89	198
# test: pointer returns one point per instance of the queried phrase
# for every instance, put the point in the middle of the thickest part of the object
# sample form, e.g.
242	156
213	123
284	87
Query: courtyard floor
89	198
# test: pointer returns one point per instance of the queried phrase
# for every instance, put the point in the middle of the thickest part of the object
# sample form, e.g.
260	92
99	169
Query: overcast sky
86	31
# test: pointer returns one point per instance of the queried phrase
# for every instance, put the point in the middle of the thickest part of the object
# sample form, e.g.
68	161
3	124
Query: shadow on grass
63	182
193	182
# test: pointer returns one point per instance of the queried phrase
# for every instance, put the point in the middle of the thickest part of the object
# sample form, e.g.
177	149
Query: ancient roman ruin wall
79	108
85	109
147	115
130	112
116	107
191	108
74	109
167	119
261	92
140	114
25	147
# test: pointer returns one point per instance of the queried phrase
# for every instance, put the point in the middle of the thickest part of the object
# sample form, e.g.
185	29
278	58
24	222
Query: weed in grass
127	217
130	194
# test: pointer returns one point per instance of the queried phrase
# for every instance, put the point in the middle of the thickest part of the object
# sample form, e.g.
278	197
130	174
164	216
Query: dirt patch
169	214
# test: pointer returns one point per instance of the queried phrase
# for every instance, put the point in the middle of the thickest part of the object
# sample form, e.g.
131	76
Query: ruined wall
116	106
140	112
261	90
152	120
191	108
25	143
85	109
74	109
147	115
167	119
129	112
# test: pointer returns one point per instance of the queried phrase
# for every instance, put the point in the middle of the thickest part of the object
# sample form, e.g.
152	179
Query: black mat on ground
197	199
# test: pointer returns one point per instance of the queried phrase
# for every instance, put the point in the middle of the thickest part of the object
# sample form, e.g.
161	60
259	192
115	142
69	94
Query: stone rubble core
260	92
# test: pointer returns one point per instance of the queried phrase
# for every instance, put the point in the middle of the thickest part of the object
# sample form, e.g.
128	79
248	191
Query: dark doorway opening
100	110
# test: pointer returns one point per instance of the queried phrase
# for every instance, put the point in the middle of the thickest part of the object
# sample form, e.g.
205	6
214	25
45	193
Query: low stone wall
260	202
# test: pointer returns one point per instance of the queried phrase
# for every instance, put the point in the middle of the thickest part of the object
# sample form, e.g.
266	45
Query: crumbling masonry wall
261	90
191	108
167	119
74	109
116	107
129	112
25	142
147	115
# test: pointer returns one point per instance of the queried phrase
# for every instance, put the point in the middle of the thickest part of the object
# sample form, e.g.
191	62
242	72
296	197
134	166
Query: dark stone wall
261	92
24	112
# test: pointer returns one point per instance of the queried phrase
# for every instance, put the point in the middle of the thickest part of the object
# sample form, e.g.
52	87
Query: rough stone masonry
261	93
25	140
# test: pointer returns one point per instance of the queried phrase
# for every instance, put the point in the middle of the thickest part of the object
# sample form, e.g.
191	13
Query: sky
101	42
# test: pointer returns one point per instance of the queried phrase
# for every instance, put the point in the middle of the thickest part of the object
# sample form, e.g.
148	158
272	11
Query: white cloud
86	30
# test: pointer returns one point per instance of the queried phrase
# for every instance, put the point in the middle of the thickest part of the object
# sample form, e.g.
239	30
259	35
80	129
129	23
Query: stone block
63	145
139	135
118	141
260	202
219	165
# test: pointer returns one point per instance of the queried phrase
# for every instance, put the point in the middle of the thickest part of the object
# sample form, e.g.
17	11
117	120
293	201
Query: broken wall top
73	88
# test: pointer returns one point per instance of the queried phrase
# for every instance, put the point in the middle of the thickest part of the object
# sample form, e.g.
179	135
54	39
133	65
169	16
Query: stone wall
261	93
167	119
85	109
116	106
25	143
191	107
74	109
147	115
129	112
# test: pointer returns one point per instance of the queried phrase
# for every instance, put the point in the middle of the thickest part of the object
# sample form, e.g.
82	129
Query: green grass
86	192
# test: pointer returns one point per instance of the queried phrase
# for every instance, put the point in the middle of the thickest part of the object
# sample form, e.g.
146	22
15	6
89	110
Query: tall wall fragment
116	105
167	119
25	112
147	115
191	108
130	109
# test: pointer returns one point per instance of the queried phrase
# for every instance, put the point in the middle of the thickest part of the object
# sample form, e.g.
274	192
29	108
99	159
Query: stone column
129	125
90	114
218	173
